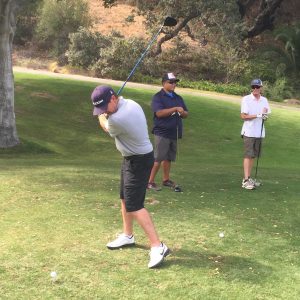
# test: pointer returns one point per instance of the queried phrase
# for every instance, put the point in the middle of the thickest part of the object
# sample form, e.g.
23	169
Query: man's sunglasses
255	87
172	82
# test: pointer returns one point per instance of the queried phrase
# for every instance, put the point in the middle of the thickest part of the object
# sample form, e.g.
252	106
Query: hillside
114	18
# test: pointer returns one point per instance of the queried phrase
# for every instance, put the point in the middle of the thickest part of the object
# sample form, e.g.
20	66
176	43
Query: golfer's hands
179	110
262	116
103	121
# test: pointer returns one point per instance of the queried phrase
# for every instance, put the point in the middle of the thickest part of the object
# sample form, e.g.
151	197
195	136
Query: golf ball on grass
53	275
221	234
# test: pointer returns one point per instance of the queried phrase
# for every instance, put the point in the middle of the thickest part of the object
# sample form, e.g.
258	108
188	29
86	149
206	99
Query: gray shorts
165	149
252	147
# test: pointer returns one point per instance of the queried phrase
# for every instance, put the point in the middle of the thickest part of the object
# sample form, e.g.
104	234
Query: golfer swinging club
254	111
125	121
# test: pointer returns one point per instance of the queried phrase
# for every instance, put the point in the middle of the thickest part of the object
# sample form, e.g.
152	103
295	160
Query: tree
264	12
8	131
57	20
243	18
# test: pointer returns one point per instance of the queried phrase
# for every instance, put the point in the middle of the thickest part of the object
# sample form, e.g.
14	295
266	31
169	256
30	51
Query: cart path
187	91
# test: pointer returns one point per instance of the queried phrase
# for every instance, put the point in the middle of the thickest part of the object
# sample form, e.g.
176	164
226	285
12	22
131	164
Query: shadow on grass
230	267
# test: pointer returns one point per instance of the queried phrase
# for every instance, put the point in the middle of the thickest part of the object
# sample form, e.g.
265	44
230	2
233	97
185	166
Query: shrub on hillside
230	88
279	90
57	19
116	61
85	46
26	21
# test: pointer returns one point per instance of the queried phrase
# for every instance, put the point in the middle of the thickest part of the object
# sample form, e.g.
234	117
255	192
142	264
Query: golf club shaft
140	59
262	127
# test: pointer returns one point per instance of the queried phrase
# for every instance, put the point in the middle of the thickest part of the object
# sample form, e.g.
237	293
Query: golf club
177	188
169	22
262	127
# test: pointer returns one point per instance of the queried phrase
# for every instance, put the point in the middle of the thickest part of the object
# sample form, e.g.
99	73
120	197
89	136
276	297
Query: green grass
59	205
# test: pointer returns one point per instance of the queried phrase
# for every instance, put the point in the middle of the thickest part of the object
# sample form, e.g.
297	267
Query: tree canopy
243	18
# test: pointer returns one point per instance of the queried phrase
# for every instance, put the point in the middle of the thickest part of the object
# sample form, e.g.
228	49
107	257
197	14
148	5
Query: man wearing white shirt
254	111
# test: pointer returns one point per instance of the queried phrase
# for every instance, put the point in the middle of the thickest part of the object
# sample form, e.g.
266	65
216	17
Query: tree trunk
8	131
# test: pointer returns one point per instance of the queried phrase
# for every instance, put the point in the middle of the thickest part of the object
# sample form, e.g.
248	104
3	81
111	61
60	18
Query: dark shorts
165	149
135	173
252	147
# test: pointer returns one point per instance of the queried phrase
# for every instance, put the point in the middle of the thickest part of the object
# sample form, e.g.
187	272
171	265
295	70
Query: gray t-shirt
128	126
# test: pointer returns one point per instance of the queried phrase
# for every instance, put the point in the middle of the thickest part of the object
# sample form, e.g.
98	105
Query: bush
26	21
117	61
278	91
57	20
85	46
230	88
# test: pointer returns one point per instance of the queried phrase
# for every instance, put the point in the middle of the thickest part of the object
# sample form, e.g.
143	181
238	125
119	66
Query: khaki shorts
252	147
165	149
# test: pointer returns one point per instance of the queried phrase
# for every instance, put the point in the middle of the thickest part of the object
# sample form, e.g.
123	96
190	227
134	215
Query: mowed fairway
59	205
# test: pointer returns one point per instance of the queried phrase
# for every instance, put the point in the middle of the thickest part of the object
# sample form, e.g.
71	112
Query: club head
170	22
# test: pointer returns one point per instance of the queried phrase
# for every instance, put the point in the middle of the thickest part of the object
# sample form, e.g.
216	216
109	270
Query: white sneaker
247	184
157	255
121	241
255	182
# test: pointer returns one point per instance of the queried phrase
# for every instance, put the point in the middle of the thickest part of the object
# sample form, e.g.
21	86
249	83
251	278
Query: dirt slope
108	19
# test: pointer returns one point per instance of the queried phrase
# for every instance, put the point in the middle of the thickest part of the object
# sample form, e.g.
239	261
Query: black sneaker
177	189
169	183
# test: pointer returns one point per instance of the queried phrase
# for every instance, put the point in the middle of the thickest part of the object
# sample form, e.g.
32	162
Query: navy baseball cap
100	98
169	76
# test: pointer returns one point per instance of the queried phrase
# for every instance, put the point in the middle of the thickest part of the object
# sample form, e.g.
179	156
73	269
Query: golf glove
263	116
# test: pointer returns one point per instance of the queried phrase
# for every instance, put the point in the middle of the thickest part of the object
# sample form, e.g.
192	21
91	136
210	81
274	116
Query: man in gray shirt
125	121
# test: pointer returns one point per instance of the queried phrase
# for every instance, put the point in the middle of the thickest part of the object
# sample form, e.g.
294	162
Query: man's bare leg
127	220
248	164
166	169
154	171
143	218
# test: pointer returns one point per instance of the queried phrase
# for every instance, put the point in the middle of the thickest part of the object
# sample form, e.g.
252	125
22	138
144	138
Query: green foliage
117	60
229	88
57	20
279	90
129	19
290	37
26	21
85	46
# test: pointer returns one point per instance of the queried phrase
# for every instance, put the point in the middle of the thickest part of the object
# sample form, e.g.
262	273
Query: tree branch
180	25
265	18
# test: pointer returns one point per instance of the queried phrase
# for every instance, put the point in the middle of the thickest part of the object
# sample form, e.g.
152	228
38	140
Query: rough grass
59	205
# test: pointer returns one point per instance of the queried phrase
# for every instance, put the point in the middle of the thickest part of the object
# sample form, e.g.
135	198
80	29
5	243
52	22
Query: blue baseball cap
100	98
257	82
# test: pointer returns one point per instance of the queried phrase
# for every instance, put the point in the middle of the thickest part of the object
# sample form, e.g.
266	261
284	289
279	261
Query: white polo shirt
128	125
252	106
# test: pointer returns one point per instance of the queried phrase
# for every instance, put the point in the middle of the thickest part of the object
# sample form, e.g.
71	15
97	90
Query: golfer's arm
168	112
247	117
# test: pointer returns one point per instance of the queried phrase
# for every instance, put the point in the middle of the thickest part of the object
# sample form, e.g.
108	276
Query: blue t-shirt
167	126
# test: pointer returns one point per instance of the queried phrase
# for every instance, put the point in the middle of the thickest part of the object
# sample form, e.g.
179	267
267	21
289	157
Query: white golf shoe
122	240
157	255
255	182
247	184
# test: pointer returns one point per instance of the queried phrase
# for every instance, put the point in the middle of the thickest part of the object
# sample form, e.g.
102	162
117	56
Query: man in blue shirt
169	110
